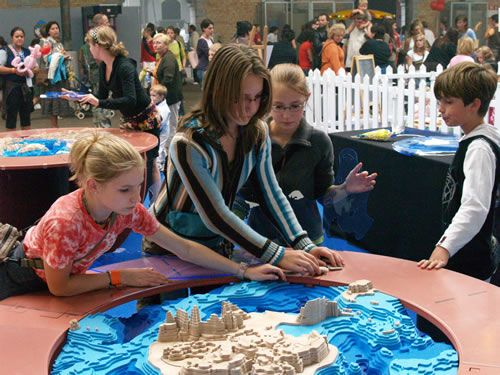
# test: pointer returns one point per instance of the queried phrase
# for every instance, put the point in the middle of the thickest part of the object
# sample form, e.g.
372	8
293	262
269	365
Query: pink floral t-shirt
67	234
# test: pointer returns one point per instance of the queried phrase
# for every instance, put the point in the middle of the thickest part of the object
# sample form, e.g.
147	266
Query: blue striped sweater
199	182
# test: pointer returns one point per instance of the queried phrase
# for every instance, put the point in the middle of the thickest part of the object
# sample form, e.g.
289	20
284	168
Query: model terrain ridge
371	330
243	343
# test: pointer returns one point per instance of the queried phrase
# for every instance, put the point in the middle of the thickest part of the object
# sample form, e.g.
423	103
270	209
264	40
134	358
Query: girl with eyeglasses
302	158
217	148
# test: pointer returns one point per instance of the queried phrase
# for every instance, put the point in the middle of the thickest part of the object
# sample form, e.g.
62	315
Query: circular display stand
465	309
29	185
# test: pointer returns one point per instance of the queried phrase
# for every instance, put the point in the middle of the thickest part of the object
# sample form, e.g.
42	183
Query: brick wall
424	12
225	13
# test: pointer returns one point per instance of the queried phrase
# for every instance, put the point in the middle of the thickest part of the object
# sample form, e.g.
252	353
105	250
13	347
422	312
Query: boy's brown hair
467	81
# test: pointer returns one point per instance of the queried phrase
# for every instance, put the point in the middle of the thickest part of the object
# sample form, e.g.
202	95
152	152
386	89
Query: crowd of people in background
324	44
321	44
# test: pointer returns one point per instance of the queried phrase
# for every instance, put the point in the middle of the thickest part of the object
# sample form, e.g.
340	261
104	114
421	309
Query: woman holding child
57	62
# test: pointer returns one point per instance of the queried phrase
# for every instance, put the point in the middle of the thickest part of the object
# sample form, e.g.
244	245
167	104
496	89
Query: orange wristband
115	278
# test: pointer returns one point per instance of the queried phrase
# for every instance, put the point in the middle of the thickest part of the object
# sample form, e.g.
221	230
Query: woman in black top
442	51
118	75
284	51
18	96
378	48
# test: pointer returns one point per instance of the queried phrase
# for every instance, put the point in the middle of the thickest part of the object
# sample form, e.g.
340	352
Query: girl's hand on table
264	272
141	277
299	261
332	257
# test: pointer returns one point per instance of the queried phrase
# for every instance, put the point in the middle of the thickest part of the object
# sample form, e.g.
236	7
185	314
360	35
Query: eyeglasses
291	108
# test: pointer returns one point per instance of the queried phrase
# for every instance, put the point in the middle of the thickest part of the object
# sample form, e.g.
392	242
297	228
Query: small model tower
317	310
194	324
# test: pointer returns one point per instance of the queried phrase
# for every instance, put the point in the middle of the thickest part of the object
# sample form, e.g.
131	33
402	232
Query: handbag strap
12	49
15	53
146	47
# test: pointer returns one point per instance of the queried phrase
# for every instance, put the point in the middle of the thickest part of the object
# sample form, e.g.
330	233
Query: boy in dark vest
464	93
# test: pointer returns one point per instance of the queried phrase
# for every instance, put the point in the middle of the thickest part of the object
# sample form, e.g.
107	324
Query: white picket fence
397	100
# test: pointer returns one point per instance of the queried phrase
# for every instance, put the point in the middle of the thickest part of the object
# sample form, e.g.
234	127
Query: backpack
9	239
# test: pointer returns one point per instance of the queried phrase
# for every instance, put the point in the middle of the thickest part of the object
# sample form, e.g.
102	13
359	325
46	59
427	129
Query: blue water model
35	147
375	337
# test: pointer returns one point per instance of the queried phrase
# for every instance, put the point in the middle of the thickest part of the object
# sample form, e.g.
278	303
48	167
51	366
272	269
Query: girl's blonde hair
105	37
424	46
486	52
335	29
291	76
465	46
163	38
102	156
222	89
215	47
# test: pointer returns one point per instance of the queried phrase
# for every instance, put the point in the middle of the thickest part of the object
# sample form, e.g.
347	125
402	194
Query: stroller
80	110
102	117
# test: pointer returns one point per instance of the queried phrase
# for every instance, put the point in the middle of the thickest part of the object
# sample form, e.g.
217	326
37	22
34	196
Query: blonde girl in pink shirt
81	226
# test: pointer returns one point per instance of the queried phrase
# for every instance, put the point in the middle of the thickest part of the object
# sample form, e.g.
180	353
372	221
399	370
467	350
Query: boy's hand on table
438	259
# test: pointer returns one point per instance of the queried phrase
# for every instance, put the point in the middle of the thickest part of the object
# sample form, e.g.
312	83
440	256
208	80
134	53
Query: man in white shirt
356	36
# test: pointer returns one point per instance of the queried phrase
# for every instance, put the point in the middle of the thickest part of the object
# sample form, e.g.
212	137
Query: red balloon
438	5
45	50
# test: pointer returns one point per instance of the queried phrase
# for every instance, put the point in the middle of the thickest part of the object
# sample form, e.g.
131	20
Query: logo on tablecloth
296	195
351	214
